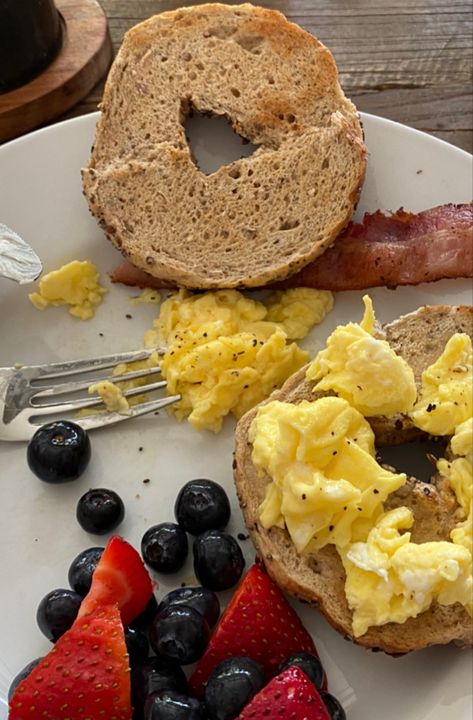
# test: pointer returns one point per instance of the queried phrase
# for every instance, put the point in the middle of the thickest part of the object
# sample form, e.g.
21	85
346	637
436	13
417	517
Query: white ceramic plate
40	197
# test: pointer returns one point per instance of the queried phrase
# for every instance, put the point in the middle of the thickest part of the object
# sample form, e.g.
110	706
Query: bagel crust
257	219
319	579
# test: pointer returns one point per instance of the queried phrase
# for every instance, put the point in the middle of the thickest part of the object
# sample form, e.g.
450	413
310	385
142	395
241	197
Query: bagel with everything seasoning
318	578
259	218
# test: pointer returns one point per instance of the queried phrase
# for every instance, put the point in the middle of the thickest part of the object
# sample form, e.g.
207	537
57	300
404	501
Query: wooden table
407	60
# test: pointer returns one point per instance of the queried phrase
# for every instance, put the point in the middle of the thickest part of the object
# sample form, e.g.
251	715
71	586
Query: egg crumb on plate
76	284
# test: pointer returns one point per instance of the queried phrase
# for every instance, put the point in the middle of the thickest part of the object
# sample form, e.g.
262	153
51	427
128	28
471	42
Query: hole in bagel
213	142
416	458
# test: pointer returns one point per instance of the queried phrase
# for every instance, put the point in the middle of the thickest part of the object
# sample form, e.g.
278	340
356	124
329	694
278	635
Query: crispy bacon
401	248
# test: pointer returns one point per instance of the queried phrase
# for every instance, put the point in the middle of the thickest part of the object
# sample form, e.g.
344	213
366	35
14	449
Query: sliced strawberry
289	695
121	578
85	675
258	623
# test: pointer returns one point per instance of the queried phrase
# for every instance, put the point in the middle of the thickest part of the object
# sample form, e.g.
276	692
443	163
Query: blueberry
310	664
218	560
137	645
22	675
202	505
171	705
154	675
334	708
58	452
204	601
143	620
82	568
164	547
179	633
231	686
57	612
99	511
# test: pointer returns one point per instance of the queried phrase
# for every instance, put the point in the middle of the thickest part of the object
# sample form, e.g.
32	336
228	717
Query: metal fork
22	402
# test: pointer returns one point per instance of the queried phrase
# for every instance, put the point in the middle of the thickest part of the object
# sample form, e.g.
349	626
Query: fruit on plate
231	686
120	578
57	612
218	560
88	666
289	695
164	547
202	505
258	623
179	633
201	599
58	452
100	511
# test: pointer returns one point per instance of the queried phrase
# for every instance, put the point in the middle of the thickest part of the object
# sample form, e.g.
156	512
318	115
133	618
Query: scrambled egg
446	398
75	284
364	369
327	486
226	352
390	579
111	396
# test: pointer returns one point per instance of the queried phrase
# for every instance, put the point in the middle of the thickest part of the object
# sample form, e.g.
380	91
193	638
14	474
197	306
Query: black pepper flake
245	387
100	334
241	352
146	481
427	491
332	433
128	316
205	334
345	507
376	491
359	509
430	407
242	536
359	387
140	449
334	452
304	496
255	342
331	527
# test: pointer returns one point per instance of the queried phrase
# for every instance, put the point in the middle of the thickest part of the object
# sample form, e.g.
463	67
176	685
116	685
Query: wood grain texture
83	59
409	60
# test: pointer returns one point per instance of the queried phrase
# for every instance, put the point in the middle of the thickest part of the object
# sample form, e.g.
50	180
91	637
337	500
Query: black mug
30	37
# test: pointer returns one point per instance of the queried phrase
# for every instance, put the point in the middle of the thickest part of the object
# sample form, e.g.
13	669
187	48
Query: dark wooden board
83	59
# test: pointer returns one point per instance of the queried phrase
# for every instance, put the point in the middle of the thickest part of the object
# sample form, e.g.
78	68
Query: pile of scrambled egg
226	352
76	284
327	487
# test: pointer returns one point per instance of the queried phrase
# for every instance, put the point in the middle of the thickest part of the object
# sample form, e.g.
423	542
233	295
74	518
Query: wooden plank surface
407	60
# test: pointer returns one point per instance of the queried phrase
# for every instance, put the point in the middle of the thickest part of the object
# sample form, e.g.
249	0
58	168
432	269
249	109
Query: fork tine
70	387
69	405
73	367
97	421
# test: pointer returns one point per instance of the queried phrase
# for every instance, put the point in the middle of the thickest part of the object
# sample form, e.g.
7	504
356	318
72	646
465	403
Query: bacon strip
402	248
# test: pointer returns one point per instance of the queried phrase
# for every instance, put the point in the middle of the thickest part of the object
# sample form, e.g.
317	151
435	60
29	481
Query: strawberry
258	623
85	673
289	695
121	578
86	676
